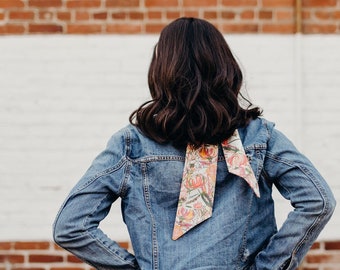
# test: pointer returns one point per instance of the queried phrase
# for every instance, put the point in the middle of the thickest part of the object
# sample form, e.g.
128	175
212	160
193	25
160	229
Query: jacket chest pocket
255	155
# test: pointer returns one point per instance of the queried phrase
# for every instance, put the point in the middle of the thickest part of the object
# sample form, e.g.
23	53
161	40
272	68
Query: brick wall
324	255
40	256
150	16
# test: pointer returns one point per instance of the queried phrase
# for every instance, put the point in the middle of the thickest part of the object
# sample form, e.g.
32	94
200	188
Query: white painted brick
62	97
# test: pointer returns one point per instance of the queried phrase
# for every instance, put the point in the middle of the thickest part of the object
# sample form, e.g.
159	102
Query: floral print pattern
199	179
237	161
198	187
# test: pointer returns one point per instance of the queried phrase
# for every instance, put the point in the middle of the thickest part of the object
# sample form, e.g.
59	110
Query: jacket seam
126	175
101	174
127	139
153	227
147	159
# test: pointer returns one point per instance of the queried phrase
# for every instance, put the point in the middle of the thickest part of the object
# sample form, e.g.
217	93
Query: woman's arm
298	181
76	225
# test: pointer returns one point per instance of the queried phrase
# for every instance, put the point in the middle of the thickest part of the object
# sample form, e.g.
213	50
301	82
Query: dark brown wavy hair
195	83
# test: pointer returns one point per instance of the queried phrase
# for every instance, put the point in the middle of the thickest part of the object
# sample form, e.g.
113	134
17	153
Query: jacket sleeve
76	225
299	182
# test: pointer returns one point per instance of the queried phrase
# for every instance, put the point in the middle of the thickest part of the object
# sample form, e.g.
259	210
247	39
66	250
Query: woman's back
149	205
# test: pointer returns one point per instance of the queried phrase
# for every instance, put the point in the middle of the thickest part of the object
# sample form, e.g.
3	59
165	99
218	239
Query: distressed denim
242	232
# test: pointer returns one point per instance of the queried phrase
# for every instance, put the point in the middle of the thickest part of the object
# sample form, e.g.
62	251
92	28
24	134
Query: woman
195	171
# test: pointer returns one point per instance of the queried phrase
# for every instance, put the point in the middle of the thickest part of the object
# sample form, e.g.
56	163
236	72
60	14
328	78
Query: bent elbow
326	206
60	236
65	233
330	203
319	205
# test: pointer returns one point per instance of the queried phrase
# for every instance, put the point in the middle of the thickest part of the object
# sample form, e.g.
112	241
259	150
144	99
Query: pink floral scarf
199	179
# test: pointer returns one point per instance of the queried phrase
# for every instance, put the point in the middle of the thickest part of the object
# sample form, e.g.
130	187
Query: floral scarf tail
199	179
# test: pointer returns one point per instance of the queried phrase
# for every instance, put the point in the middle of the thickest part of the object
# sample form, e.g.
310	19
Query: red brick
124	245
190	13
73	259
173	15
284	15
228	15
83	3
124	28
119	15
154	15
12	258
278	3
5	245
265	14
11	4
318	3
64	16
42	258
100	16
199	3
45	3
210	15
154	28
336	15
136	15
27	268
239	3
332	245
2	16
279	28
45	28
240	28
82	16
31	245
21	15
56	247
247	14
84	28
12	29
322	258
319	28
161	3
316	245
323	15
122	3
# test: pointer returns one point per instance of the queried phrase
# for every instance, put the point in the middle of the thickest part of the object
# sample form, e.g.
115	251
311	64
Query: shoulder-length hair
195	83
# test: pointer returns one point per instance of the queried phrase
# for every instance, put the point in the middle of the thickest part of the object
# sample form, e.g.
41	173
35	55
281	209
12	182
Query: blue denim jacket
242	232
